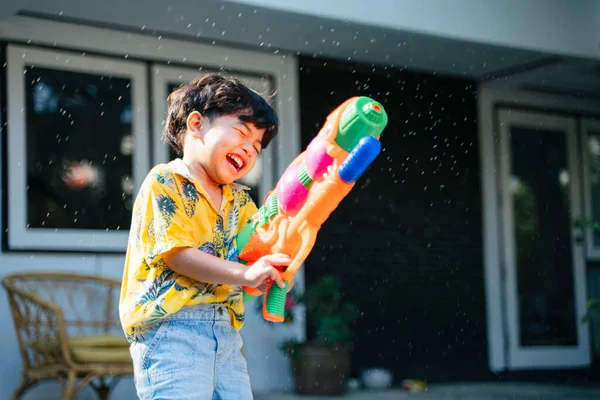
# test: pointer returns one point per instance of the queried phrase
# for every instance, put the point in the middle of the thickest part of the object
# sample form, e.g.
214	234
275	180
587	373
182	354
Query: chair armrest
40	327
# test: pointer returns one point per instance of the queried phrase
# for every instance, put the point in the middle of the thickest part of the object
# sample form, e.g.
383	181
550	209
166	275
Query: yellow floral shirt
173	210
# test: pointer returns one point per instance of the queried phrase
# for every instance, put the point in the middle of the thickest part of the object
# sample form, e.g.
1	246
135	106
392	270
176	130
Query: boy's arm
204	267
207	268
165	233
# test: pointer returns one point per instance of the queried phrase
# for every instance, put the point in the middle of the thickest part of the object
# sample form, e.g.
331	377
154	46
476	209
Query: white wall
555	26
597	24
464	38
566	27
269	370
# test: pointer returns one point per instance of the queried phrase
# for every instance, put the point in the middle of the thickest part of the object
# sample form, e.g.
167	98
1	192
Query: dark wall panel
407	240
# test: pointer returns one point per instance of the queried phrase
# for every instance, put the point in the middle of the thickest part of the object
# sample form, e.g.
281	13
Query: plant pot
320	369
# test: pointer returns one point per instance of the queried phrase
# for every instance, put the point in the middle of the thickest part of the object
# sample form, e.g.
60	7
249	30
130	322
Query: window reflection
79	150
593	149
542	223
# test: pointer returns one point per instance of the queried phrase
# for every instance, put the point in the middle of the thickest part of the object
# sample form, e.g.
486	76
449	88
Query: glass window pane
593	157
79	150
542	219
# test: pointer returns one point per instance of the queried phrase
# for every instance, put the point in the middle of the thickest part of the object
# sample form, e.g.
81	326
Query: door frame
494	260
545	356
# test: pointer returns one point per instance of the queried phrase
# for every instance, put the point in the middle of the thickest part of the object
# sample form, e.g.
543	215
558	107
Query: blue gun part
363	154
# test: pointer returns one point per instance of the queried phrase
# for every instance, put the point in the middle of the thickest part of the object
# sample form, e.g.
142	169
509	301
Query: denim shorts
194	354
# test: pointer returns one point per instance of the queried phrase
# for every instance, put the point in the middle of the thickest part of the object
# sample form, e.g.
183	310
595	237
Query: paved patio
467	391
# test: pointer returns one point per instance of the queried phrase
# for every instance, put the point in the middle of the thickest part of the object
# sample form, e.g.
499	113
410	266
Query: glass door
544	257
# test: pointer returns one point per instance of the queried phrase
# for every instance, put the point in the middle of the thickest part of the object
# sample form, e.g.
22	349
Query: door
544	285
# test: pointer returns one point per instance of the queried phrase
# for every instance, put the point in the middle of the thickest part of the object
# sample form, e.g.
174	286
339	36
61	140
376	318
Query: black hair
215	96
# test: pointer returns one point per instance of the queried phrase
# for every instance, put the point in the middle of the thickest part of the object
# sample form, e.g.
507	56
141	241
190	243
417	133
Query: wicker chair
67	328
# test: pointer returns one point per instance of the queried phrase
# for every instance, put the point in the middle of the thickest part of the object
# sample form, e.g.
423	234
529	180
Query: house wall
407	241
463	38
418	276
596	18
545	25
269	370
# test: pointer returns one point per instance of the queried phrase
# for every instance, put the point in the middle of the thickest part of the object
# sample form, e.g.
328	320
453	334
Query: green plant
291	348
583	223
331	316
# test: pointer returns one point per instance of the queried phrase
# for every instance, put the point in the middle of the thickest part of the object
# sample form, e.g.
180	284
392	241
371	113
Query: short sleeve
164	224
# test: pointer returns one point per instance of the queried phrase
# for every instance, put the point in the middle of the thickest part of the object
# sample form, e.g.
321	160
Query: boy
181	302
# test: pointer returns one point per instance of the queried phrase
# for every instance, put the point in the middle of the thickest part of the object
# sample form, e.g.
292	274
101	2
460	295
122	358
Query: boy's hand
267	282
264	269
264	286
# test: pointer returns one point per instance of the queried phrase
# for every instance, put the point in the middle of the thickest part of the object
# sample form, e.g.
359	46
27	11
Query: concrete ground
458	391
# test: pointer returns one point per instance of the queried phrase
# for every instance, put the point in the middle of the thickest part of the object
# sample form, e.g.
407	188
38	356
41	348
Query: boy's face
225	147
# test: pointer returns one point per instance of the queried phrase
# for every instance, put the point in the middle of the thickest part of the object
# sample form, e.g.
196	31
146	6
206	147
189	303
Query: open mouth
235	161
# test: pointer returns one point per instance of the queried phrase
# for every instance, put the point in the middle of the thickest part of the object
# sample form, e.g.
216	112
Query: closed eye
245	134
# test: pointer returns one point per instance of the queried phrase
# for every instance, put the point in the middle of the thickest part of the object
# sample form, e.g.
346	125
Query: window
79	135
591	158
166	79
77	149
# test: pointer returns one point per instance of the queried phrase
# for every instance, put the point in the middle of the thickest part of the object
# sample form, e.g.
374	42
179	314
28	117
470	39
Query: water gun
308	191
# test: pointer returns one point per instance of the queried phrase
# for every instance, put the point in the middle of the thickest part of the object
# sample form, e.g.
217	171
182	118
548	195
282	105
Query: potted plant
321	365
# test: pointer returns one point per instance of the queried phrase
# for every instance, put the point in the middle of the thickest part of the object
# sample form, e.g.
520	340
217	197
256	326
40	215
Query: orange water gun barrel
310	189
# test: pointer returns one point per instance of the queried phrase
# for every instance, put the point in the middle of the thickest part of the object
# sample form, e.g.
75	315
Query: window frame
144	48
20	236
